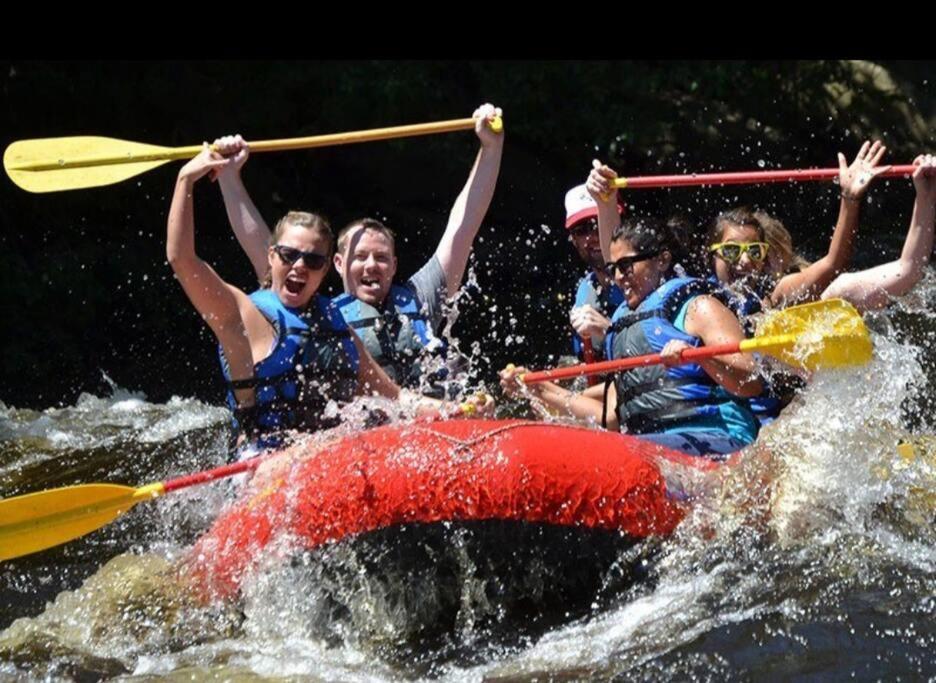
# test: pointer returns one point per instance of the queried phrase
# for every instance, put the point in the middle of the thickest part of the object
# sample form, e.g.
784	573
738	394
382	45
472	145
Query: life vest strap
371	322
629	319
248	419
662	383
307	332
656	420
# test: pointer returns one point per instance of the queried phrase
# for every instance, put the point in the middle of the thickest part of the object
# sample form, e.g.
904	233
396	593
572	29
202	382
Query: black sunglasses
626	263
290	255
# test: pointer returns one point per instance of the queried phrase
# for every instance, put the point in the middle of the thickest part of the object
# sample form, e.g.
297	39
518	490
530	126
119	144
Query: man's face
367	265
584	237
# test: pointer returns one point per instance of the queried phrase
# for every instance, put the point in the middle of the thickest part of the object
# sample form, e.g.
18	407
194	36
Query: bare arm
472	203
373	380
249	227
586	406
220	305
873	288
854	181
714	324
599	185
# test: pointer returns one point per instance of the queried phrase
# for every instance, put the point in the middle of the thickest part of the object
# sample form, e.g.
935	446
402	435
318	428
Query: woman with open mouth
286	352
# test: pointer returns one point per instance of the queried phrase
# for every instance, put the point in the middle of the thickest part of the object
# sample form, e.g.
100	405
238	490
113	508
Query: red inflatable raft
457	470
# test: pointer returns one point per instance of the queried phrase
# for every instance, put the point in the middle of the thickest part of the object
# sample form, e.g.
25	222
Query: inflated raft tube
444	471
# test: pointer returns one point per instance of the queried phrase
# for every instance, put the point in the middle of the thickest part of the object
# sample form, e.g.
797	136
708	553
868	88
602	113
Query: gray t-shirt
428	283
443	377
400	334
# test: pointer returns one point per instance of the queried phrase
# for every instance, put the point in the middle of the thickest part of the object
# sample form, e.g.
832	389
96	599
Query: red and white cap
579	205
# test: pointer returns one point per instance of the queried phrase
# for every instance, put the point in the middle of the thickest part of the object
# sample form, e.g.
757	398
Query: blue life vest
313	361
605	300
395	337
778	391
743	303
654	398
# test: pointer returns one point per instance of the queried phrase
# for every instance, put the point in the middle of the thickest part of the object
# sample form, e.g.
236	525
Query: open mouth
743	275
371	283
294	285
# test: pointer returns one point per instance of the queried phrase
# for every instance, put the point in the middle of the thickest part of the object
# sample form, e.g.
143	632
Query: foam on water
820	512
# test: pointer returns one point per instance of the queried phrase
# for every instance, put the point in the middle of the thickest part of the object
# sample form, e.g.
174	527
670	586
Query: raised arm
599	185
854	180
873	288
249	227
473	201
218	303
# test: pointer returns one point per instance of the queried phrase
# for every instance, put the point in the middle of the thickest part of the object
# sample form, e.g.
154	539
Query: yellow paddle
72	163
825	334
36	521
41	520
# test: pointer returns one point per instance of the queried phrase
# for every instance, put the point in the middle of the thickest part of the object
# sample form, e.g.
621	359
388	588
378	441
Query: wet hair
742	216
302	219
781	259
367	224
684	233
650	234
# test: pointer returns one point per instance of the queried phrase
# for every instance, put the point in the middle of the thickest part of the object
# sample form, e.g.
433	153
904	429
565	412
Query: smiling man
396	322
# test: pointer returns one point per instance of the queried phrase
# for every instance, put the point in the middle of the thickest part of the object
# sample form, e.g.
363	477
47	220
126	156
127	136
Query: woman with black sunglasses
286	352
741	244
699	408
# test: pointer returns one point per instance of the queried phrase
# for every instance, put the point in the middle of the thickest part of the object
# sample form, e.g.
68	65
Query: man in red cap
596	297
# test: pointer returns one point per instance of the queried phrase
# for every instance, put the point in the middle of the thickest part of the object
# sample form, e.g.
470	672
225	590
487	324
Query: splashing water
815	554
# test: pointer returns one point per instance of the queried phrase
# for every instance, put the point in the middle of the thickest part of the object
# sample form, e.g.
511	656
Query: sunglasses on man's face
289	255
584	229
625	264
732	251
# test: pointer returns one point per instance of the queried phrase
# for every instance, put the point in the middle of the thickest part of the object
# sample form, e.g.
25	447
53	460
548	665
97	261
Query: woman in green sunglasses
739	248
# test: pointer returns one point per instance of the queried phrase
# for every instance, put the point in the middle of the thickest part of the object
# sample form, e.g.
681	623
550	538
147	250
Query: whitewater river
828	571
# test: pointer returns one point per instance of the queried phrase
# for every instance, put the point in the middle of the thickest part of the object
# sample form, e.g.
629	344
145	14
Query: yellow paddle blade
54	164
825	334
37	521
